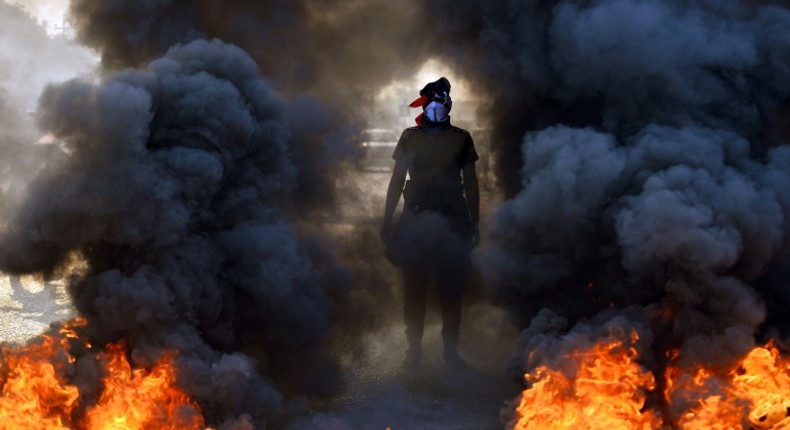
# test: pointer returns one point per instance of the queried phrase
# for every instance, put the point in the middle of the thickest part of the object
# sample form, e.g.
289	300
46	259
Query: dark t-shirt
435	158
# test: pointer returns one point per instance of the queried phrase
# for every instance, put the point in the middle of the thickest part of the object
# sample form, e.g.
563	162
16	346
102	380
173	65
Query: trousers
450	283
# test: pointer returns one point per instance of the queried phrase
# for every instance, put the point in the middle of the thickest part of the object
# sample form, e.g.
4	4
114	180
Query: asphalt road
379	393
28	306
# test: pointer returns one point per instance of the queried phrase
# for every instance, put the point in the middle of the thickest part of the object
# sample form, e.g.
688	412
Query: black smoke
329	58
618	65
195	192
343	52
643	147
173	194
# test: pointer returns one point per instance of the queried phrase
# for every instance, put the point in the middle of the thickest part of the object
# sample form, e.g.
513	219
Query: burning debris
644	158
179	192
600	385
34	394
37	392
599	379
658	174
171	196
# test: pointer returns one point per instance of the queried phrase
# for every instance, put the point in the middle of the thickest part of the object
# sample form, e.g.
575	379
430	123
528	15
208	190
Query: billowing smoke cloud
642	146
652	161
618	65
348	50
191	188
329	59
643	223
172	193
340	53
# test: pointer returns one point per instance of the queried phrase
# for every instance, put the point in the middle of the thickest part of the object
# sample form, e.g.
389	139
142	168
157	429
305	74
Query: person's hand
386	231
475	236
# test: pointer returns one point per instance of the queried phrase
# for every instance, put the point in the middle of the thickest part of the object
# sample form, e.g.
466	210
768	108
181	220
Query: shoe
453	360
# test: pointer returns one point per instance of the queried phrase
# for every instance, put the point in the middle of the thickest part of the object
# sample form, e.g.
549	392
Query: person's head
435	101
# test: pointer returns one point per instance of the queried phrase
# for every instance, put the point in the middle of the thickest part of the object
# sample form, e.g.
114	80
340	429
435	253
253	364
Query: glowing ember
606	391
36	395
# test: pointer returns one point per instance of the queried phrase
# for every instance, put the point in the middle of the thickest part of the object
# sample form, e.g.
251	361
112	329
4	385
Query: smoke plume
172	195
652	159
191	186
346	50
641	145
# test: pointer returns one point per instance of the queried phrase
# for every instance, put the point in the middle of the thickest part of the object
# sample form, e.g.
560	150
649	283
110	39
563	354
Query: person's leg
414	297
451	282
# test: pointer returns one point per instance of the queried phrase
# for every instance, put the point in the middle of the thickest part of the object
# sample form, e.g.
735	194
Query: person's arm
472	191
394	191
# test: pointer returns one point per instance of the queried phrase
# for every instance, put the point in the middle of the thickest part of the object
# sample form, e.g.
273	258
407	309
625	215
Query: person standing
438	226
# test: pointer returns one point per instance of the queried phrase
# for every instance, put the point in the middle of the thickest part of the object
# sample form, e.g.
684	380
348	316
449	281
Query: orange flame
140	399
36	395
607	391
754	395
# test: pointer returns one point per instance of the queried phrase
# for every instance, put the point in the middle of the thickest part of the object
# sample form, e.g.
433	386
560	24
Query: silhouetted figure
438	226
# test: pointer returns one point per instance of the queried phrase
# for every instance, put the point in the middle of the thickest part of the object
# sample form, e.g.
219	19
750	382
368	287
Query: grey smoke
342	52
172	194
338	53
651	139
192	189
619	65
641	145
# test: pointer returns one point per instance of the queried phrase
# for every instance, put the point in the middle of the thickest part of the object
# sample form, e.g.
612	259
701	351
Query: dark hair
442	85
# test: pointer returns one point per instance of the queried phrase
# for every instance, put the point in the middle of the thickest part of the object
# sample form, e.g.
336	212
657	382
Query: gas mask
438	109
435	102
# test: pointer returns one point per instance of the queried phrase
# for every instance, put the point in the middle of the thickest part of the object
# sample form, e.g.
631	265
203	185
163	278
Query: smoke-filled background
199	199
29	60
641	147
